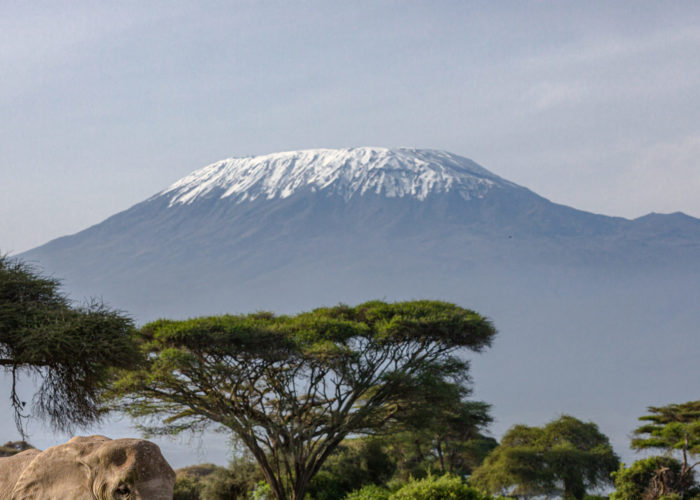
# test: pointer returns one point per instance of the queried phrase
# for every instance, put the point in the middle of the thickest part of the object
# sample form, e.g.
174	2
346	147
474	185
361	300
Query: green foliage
353	463
387	459
440	431
211	482
675	427
369	492
534	460
261	491
632	483
418	453
293	387
187	488
70	349
228	484
655	478
672	428
447	487
328	486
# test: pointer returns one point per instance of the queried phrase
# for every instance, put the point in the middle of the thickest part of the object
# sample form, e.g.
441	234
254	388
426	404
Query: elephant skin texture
88	468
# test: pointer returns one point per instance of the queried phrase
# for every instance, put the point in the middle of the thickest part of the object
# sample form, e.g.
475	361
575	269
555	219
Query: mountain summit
416	173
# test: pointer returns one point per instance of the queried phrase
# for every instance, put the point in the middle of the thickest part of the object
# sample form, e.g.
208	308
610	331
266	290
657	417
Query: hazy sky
102	104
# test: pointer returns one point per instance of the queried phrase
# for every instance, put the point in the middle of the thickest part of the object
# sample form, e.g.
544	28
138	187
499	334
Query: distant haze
597	315
591	104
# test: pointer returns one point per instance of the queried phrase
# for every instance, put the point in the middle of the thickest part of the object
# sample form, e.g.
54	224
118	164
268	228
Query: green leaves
532	460
292	387
72	350
445	487
672	427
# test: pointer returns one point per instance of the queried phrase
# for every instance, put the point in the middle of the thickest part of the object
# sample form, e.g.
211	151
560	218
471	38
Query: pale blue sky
591	104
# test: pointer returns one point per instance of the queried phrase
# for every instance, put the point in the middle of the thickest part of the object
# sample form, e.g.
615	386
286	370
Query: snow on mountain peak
347	172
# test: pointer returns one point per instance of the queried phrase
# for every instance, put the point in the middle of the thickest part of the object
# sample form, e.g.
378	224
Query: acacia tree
291	388
70	349
672	428
565	454
648	479
440	428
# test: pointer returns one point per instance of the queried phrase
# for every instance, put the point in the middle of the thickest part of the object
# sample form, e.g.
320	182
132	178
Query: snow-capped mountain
233	221
394	173
597	315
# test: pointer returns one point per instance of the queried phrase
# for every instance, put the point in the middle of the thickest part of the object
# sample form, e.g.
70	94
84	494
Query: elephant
88	468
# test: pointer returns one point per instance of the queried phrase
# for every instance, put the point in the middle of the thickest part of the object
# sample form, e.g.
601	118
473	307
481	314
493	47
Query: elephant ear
133	465
59	472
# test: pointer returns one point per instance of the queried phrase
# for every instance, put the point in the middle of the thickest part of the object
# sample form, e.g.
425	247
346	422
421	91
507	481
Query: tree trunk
440	456
300	490
276	487
574	489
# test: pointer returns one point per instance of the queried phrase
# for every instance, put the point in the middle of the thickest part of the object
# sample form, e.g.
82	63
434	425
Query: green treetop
566	456
291	388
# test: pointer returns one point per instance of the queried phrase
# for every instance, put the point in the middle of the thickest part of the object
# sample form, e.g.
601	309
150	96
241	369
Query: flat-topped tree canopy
292	388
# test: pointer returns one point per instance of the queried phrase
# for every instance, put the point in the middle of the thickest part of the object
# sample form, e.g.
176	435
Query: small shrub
212	482
446	487
13	447
369	492
327	486
261	491
355	463
224	484
187	488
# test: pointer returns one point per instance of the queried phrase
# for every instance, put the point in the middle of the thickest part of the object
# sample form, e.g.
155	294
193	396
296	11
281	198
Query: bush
211	482
187	488
369	492
326	485
446	487
355	463
261	491
633	482
227	484
13	447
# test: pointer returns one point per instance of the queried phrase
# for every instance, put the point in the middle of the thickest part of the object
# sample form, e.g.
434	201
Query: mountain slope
237	220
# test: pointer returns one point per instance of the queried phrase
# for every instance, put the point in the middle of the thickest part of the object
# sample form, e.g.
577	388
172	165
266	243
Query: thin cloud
546	95
608	49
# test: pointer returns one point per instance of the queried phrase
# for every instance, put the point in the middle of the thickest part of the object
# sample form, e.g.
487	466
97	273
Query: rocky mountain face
597	315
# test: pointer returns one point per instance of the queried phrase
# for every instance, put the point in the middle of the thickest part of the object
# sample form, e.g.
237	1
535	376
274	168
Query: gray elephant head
97	468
